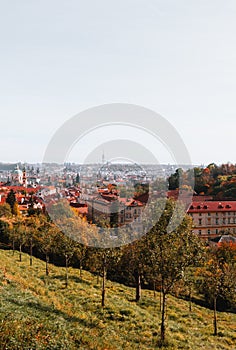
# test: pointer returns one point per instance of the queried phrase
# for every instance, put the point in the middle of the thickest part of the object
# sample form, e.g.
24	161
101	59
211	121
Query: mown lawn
39	313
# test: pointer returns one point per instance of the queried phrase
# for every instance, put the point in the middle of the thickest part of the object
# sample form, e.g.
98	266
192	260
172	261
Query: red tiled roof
130	202
82	210
202	198
2	200
22	188
212	206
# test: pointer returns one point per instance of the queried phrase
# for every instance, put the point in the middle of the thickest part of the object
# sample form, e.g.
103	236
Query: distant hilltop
7	166
12	166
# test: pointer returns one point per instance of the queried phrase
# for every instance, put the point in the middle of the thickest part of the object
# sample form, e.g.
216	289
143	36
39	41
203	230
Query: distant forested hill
7	166
213	180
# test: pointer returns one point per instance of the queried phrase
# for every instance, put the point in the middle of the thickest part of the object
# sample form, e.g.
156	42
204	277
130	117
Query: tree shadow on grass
34	305
203	303
75	279
61	278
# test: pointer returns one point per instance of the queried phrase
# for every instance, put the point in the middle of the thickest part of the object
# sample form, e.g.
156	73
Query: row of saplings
170	262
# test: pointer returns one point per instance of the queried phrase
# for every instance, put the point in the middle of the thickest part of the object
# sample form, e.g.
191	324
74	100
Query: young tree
98	261
189	282
80	253
132	264
11	199
46	241
33	224
20	234
5	230
212	284
170	253
67	247
107	256
218	283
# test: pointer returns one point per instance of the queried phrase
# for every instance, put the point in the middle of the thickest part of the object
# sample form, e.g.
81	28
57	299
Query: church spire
24	178
103	157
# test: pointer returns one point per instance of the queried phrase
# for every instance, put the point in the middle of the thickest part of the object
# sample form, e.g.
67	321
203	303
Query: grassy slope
39	313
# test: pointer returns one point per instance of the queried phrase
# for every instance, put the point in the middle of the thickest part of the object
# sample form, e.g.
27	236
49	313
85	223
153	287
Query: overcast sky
176	57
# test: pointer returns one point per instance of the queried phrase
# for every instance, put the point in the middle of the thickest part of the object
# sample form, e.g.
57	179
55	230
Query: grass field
39	313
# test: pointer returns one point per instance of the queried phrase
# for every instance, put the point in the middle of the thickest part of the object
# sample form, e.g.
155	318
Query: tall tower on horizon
103	157
24	178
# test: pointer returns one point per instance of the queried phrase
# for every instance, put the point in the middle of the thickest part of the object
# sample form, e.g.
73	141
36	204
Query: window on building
223	221
216	214
200	221
217	231
217	221
200	214
209	214
209	232
199	232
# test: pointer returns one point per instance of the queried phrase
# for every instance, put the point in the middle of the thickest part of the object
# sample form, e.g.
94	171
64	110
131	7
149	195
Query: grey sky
175	57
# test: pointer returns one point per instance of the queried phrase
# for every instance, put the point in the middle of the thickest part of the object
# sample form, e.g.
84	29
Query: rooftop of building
212	206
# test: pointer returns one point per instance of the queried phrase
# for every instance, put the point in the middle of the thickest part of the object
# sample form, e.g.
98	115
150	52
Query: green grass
39	313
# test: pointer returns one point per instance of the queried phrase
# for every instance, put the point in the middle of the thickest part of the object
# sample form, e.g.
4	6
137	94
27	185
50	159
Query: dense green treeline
213	180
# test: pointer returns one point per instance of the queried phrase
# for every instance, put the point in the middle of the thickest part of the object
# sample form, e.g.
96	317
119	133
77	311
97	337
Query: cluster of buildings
101	202
113	211
24	187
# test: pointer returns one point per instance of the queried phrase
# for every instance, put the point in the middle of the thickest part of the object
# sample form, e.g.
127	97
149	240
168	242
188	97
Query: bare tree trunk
13	247
66	260
163	315
190	299
47	261
80	268
138	285
161	297
31	251
103	280
154	288
215	317
20	254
